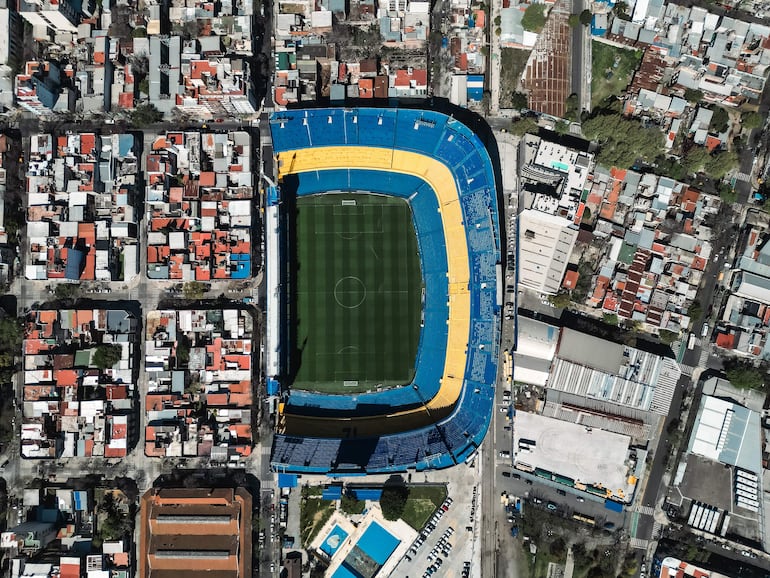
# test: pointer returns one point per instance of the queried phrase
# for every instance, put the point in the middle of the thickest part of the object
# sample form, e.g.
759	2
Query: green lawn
314	512
422	502
611	70
512	63
357	294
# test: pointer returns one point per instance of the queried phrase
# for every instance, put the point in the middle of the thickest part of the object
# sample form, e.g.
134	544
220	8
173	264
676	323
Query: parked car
505	454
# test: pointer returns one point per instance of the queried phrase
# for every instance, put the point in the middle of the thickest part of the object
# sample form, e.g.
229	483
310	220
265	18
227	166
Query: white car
505	454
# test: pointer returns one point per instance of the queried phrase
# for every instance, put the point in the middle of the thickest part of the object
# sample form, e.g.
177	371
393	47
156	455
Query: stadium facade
443	170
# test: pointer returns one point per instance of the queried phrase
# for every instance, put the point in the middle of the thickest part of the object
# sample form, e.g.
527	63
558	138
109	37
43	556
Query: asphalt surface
577	56
655	487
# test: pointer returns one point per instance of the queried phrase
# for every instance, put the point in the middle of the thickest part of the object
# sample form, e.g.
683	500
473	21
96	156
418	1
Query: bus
583	518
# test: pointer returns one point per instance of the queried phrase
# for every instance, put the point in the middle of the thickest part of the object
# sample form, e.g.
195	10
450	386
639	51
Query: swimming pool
333	541
378	543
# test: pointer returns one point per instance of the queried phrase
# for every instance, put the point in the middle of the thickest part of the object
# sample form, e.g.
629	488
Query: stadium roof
728	433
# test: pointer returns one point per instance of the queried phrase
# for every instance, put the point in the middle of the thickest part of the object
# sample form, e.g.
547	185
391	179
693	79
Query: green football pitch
358	293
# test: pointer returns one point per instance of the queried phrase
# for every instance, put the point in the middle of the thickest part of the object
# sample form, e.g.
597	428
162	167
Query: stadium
383	290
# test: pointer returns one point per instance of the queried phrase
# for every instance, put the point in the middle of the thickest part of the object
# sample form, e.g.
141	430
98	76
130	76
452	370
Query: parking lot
444	544
566	501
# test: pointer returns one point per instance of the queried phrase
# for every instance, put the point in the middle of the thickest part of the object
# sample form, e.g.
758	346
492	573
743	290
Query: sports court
358	293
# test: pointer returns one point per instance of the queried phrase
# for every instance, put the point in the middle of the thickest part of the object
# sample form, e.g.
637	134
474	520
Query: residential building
199	206
73	407
745	320
199	399
550	211
81	215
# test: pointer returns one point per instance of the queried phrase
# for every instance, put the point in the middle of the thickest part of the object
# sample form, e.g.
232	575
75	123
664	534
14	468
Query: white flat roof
590	456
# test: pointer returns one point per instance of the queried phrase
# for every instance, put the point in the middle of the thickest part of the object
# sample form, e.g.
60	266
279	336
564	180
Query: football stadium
384	290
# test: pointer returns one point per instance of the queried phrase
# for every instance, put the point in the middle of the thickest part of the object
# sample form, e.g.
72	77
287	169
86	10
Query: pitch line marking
338	292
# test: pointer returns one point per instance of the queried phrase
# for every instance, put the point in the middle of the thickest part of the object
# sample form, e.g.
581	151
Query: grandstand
442	169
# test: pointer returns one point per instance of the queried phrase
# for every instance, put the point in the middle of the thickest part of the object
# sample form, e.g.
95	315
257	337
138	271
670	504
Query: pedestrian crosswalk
743	177
639	544
647	510
686	369
656	530
703	361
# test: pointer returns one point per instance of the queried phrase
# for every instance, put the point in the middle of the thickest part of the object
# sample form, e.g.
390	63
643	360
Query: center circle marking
349	292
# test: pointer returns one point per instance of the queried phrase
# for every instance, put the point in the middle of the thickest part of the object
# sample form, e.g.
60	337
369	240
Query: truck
691	341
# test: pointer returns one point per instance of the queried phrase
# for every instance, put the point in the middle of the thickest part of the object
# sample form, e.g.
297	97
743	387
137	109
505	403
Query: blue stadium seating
457	436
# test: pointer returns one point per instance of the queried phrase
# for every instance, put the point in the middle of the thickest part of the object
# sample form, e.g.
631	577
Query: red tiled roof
87	143
570	280
419	75
126	100
207	179
725	340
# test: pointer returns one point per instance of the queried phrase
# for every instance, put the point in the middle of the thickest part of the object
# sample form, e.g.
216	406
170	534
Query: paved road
655	489
138	295
577	56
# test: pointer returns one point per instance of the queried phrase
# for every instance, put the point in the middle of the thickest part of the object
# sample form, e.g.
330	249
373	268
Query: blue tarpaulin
613	505
272	386
287	481
273	196
332	493
367	493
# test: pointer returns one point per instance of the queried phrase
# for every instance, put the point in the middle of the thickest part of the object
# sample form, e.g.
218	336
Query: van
705	330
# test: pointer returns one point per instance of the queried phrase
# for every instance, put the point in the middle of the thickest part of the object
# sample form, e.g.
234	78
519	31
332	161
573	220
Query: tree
585	17
11	334
534	18
393	501
523	126
695	309
719	164
622	142
743	375
751	120
67	290
621	10
145	114
193	290
571	111
183	351
560	300
667	337
558	547
695	159
610	318
139	32
719	119
693	95
573	20
727	193
350	505
519	100
107	355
